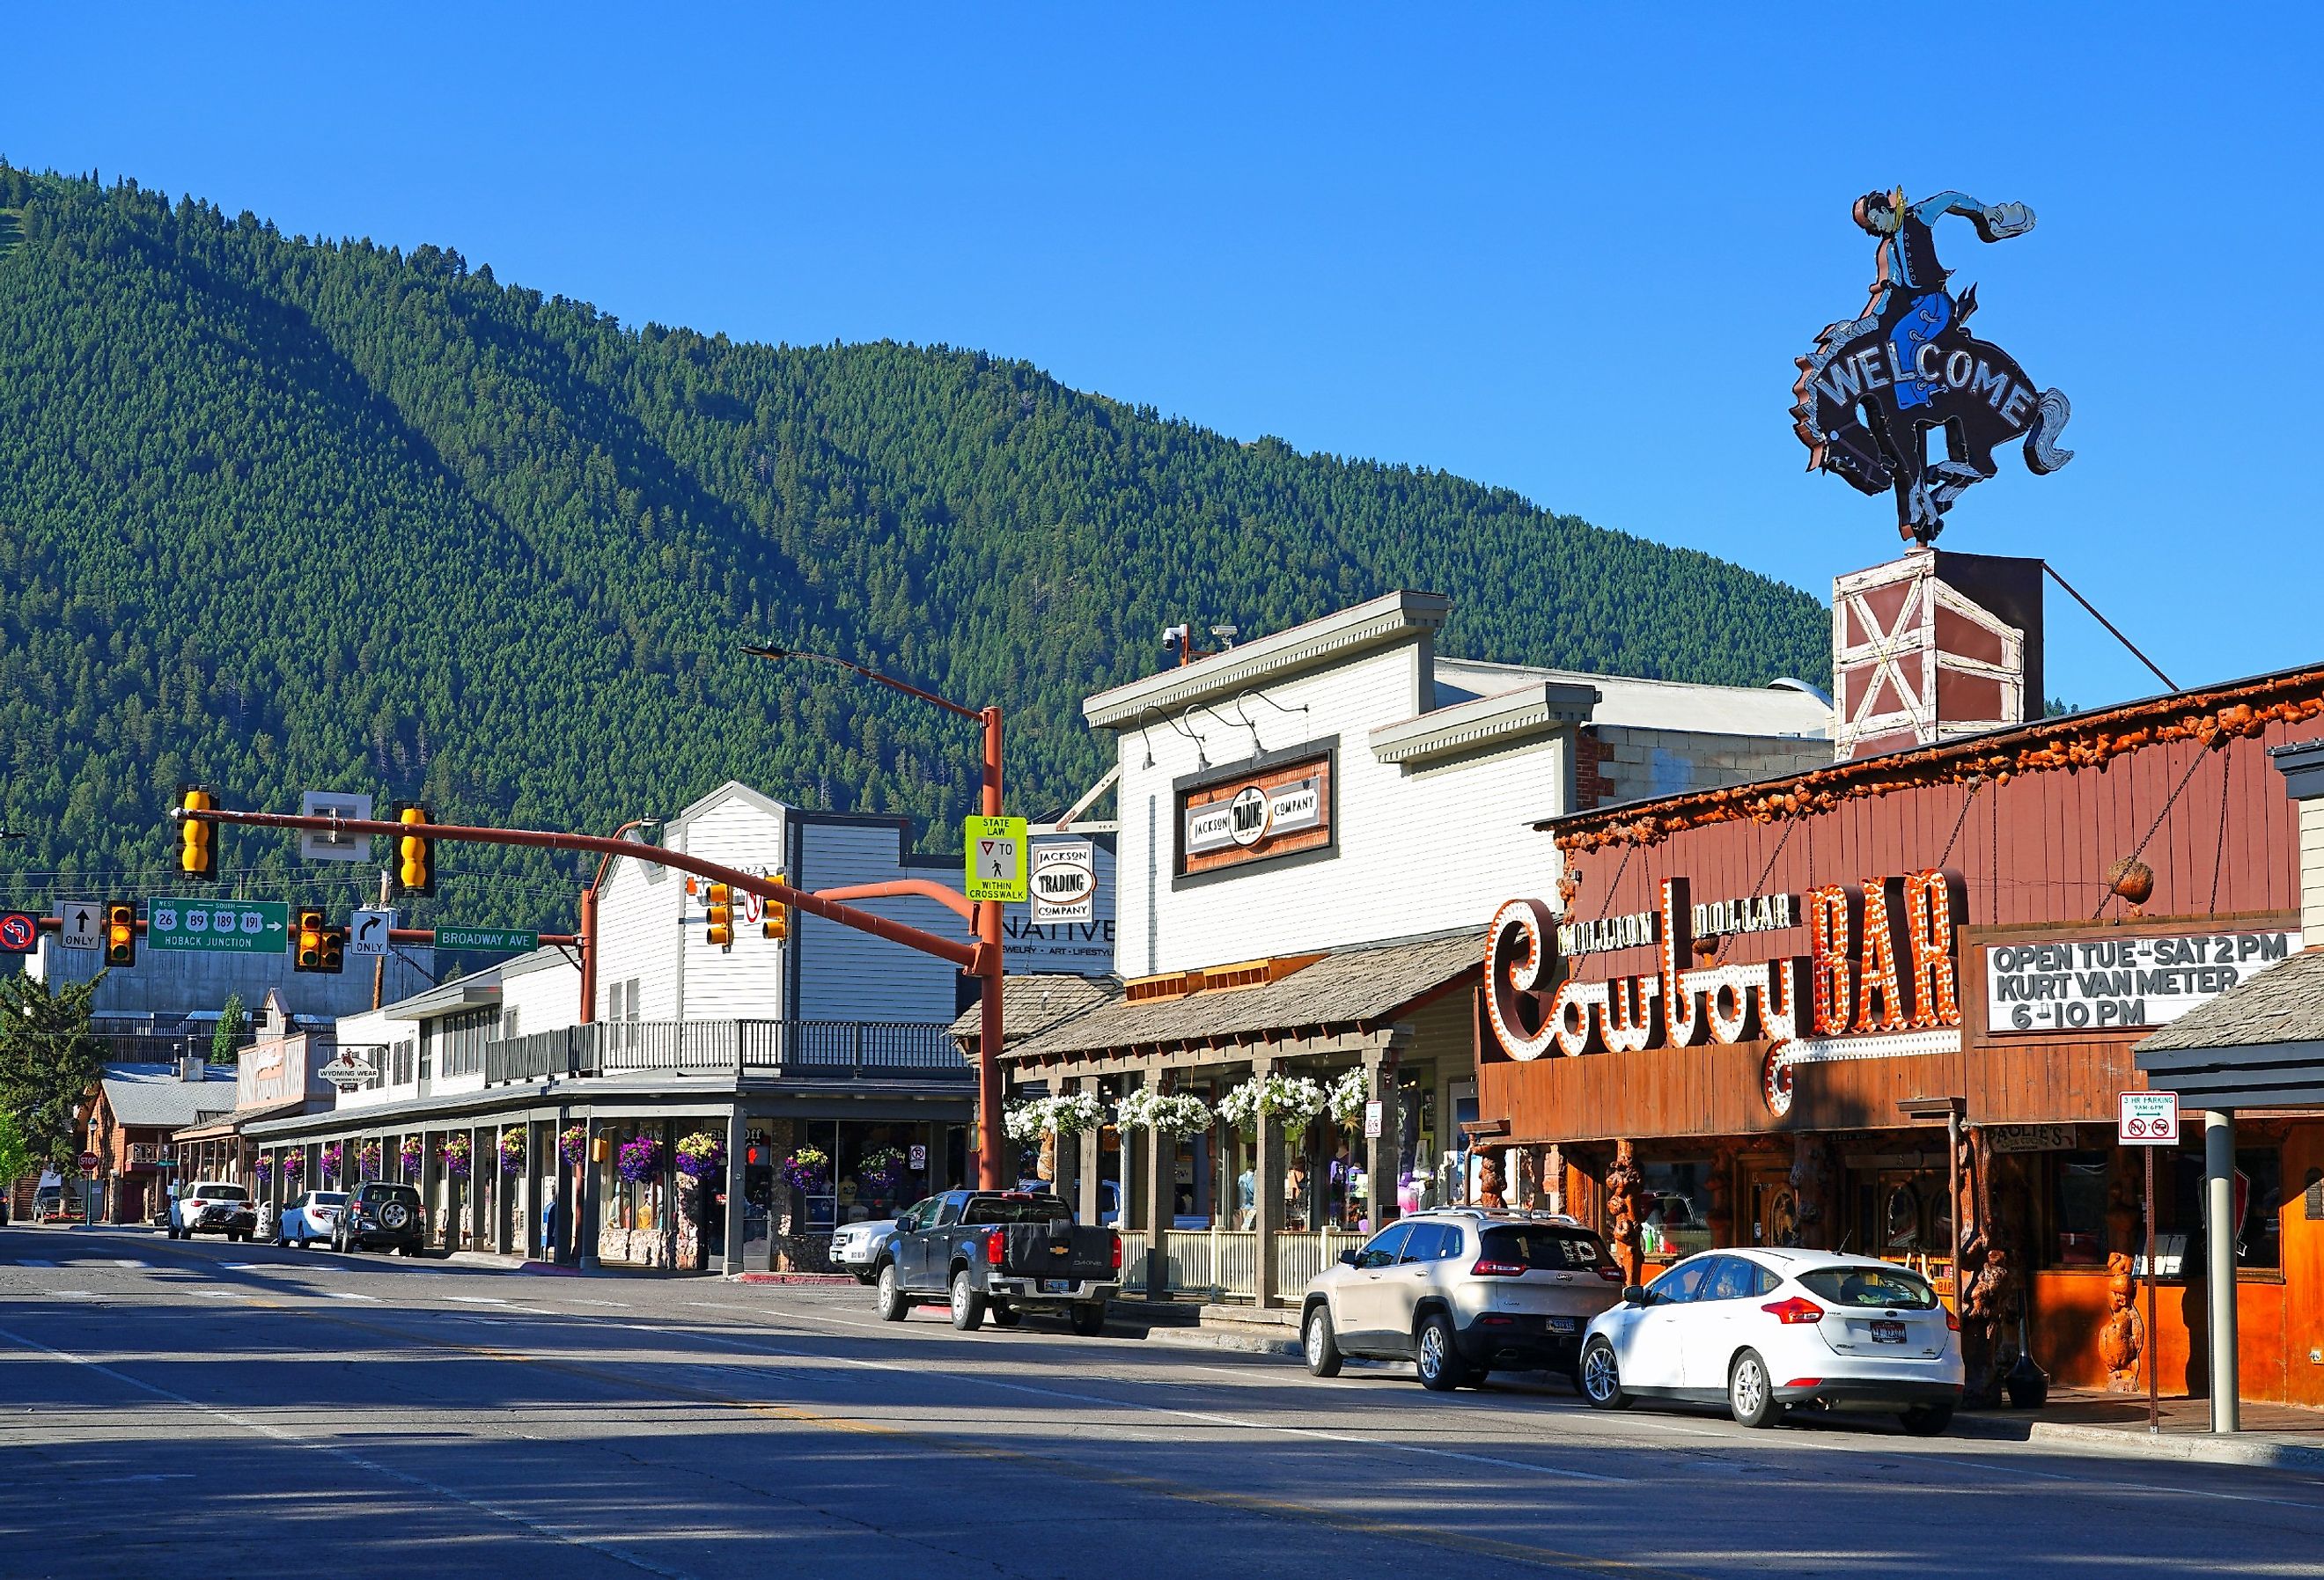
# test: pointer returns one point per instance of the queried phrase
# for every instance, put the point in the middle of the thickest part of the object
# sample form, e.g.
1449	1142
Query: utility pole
379	962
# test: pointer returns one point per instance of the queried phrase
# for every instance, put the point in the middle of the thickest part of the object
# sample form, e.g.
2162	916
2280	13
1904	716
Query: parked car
1766	1330
49	1205
380	1216
1461	1292
1005	1251
309	1216
855	1247
213	1206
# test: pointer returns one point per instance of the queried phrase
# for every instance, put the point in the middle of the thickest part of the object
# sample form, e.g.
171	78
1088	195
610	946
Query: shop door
1775	1211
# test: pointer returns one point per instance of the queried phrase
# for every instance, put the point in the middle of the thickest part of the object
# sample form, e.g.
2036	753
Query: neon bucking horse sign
1879	388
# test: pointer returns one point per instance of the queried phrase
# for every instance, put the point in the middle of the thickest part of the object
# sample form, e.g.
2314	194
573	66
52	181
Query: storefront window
1676	1220
877	1169
2077	1204
2258	1236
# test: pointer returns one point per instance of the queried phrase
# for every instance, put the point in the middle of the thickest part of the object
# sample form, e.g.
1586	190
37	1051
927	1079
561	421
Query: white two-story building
1313	826
538	1082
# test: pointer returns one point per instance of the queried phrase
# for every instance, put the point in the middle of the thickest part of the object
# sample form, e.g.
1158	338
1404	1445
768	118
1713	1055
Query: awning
2258	1045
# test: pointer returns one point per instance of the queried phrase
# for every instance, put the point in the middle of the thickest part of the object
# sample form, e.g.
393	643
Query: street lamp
987	913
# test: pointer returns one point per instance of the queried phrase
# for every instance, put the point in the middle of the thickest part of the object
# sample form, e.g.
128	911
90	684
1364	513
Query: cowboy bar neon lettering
1883	960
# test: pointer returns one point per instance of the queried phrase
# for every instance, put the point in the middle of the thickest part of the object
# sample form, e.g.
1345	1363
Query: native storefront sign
2118	982
1878	385
1255	816
1879	980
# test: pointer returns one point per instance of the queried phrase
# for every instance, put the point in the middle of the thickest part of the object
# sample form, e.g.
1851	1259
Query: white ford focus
1766	1329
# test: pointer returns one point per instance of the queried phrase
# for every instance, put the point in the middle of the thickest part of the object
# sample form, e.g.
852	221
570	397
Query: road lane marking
477	1299
126	1261
349	1295
325	1445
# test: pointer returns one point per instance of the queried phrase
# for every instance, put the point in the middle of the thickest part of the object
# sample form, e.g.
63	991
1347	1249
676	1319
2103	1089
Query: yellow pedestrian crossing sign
995	848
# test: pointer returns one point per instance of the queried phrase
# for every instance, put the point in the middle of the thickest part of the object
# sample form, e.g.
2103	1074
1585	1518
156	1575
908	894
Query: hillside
279	514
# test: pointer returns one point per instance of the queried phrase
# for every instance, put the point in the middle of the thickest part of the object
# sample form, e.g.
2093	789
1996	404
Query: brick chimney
1932	646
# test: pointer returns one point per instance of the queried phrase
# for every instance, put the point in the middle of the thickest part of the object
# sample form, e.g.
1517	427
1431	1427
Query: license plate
1056	1286
1887	1333
1564	1323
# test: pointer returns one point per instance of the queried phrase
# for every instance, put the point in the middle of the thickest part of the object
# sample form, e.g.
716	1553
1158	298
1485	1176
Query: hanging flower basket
512	1150
294	1164
1349	1094
573	1144
639	1159
879	1169
332	1158
1176	1113
1294	1101
701	1155
367	1160
262	1170
455	1153
409	1153
808	1170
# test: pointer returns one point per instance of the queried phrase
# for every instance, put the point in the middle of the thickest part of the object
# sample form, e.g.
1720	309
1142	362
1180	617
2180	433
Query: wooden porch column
1089	1197
590	1207
1380	1151
737	1210
1161	1198
1266	1183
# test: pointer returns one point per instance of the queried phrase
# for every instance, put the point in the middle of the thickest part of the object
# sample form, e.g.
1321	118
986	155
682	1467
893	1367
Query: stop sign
88	1161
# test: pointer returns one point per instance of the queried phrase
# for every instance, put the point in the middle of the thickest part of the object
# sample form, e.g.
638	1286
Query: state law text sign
996	858
2149	1119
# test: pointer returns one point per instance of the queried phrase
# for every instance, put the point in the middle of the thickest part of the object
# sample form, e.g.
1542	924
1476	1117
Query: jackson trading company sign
1276	812
1880	979
1877	385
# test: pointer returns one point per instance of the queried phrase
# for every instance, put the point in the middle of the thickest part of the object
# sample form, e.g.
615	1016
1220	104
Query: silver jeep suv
1461	1291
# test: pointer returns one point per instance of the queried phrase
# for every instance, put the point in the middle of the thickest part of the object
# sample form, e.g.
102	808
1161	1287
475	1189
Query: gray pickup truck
1005	1251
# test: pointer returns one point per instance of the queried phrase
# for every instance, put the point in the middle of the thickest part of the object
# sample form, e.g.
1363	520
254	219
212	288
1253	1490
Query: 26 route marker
222	926
996	858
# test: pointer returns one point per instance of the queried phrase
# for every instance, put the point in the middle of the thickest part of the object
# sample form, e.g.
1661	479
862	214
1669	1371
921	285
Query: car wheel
1088	1318
1434	1358
1600	1377
1750	1395
1319	1344
1927	1420
967	1303
893	1307
1005	1315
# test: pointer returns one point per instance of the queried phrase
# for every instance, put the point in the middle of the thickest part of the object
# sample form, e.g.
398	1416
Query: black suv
382	1216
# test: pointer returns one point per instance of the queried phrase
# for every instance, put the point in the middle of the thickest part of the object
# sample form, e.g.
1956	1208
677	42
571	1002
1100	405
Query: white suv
1461	1291
214	1207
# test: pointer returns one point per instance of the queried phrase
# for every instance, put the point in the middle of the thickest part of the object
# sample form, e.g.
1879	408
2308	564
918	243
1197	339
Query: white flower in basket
1349	1094
1028	1120
1066	1115
1179	1113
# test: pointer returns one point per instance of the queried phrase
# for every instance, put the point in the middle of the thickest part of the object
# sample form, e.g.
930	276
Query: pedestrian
549	1246
1246	1198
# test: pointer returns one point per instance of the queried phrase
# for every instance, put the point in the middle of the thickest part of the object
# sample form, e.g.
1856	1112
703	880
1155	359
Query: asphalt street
237	1411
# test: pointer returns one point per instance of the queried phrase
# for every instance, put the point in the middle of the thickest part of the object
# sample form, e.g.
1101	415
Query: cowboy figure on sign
1879	388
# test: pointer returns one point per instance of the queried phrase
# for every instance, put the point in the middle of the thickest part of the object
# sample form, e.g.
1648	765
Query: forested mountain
279	513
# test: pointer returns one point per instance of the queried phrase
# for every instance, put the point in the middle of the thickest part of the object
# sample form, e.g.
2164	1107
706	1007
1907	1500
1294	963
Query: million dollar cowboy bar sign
1880	978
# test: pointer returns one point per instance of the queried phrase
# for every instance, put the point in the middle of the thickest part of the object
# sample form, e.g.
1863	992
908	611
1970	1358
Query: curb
2204	1448
1211	1338
827	1280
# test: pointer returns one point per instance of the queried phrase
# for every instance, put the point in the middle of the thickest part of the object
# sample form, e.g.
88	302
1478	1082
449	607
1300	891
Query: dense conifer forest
280	512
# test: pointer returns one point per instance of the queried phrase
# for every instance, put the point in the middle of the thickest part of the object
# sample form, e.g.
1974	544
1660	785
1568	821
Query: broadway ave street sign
237	927
486	938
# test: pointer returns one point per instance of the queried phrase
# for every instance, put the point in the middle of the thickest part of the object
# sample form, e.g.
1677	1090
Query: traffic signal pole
968	958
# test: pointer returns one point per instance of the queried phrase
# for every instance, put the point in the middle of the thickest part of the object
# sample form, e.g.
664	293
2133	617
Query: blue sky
1569	253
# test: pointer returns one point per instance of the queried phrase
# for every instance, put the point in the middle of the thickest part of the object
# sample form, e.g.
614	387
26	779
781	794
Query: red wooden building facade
1688	1142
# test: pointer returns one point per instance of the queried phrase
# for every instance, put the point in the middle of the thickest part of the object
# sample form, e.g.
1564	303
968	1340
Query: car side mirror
907	1224
1348	1257
1637	1294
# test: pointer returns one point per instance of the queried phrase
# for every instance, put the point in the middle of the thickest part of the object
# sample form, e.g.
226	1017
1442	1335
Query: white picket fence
1223	1264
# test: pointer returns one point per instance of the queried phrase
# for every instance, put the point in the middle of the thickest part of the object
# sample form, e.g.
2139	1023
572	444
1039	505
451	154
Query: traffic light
778	922
335	950
306	941
415	854
121	932
197	849
722	916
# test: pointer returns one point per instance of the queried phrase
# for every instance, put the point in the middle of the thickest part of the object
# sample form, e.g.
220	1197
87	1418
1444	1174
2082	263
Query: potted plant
409	1153
807	1170
1174	1113
332	1158
701	1155
367	1160
639	1159
454	1153
573	1144
512	1149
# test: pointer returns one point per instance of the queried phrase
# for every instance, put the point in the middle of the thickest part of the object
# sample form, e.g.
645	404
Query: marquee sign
1880	980
1877	385
2120	983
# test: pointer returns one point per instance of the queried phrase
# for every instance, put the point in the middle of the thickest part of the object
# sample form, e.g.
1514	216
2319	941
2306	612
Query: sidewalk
2283	1436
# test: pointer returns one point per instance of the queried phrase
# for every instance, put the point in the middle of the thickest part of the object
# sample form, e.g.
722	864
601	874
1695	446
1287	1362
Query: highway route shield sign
218	927
367	931
2148	1119
84	924
996	852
